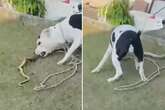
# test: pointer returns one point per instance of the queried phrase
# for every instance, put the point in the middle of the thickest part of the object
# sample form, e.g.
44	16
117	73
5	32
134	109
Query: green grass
16	42
99	94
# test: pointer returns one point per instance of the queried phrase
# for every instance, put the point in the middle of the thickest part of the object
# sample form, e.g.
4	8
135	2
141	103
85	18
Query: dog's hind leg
140	57
117	65
103	60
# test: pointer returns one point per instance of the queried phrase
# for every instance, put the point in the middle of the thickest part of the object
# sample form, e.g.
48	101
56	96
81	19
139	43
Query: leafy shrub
33	7
116	12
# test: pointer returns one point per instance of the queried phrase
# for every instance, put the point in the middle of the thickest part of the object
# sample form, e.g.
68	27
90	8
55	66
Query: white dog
124	39
56	37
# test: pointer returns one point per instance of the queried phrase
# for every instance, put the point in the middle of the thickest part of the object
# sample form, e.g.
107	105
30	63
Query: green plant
116	12
33	7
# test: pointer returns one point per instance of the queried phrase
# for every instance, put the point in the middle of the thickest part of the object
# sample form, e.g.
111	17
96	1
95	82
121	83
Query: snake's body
149	54
74	67
21	66
149	78
73	63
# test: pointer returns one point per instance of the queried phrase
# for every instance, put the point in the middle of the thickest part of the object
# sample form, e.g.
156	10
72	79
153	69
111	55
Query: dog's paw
95	70
116	77
61	62
110	79
144	79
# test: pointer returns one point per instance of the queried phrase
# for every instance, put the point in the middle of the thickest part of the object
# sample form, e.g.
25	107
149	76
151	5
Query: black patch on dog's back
76	21
126	39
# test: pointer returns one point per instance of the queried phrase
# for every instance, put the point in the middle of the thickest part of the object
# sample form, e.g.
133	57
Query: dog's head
49	40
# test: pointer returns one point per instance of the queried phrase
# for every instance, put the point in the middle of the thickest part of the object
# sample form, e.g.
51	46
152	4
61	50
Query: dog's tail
139	33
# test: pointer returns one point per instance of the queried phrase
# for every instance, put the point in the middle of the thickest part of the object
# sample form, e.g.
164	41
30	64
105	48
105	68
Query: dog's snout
43	53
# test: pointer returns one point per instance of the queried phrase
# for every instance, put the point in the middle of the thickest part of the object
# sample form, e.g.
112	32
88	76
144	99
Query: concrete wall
57	9
157	6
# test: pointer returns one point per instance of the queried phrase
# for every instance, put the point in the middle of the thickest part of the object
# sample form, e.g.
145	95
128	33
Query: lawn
17	40
99	94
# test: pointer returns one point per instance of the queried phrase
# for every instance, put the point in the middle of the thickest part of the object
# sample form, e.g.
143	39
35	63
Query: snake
21	68
73	63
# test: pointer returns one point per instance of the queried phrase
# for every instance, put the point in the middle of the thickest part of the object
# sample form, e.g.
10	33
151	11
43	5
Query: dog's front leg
103	60
117	65
76	43
141	71
136	63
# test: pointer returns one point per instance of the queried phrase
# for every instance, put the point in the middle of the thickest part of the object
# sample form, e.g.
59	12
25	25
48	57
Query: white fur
116	63
56	36
141	71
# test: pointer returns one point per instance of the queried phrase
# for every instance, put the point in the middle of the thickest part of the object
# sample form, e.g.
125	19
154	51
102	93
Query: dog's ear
57	34
45	32
49	31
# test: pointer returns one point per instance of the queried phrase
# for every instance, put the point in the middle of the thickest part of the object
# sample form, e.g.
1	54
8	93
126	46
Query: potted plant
33	7
116	13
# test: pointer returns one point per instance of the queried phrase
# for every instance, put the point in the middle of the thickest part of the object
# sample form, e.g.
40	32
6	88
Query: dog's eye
73	7
38	36
39	43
